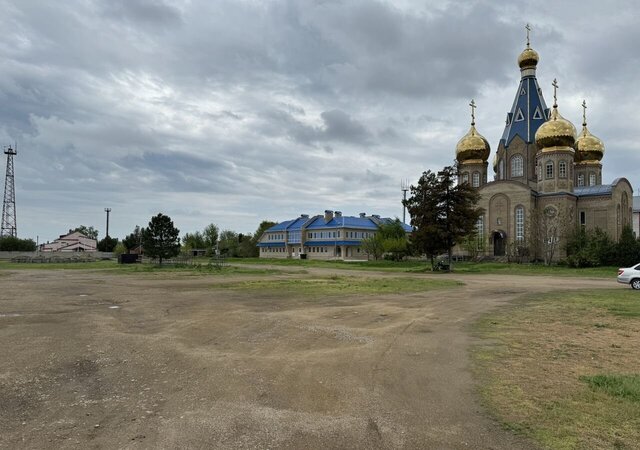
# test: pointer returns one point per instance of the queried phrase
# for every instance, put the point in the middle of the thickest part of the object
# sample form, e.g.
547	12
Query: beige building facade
547	178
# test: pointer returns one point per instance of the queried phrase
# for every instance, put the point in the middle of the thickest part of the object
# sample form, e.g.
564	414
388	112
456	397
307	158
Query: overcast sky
232	111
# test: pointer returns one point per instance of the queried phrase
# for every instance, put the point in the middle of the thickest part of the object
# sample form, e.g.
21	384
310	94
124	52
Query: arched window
549	170
475	179
465	177
480	231
501	170
581	180
592	179
519	213
517	166
539	172
562	169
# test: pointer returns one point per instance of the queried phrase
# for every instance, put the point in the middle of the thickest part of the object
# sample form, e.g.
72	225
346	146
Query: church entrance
498	243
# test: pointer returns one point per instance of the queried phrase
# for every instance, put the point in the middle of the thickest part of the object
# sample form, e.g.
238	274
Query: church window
583	219
509	115
501	170
475	180
517	166
480	230
465	177
519	223
562	169
537	114
581	180
519	116
549	170
539	172
592	179
523	91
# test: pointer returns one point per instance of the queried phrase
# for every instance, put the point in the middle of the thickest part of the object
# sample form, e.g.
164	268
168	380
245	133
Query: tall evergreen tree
161	239
442	212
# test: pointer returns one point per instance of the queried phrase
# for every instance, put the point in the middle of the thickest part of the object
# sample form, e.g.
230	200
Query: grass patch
541	362
415	266
342	285
623	386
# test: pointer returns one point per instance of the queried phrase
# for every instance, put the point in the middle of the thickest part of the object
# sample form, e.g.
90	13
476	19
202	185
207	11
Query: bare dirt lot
93	359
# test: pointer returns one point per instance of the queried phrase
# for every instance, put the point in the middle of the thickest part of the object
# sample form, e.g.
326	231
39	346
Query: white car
630	275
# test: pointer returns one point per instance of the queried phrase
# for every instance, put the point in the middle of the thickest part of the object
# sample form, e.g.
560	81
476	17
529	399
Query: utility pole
107	210
404	187
9	227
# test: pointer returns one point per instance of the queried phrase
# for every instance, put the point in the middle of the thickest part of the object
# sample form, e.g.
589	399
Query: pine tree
161	239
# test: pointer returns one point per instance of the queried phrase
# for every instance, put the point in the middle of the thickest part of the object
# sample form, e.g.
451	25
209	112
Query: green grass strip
622	386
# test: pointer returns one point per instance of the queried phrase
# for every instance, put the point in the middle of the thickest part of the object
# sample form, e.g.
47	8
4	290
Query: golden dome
473	146
588	147
528	59
556	132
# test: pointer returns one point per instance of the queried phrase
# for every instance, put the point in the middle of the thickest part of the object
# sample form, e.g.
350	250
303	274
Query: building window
592	179
562	169
581	180
517	166
583	219
480	231
549	170
475	180
519	223
501	170
465	177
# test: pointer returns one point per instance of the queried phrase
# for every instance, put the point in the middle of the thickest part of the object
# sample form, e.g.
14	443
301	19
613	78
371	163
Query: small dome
556	132
528	59
588	147
473	146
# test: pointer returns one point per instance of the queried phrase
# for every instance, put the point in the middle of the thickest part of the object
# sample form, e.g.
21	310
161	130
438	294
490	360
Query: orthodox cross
528	28
584	113
473	112
555	93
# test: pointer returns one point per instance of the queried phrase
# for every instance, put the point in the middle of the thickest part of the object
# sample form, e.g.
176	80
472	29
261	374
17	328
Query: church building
547	177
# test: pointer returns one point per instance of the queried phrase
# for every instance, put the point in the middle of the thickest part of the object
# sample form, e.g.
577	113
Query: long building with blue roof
547	177
328	236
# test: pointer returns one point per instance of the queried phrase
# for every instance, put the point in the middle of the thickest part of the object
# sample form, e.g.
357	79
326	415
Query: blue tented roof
589	191
281	226
528	112
317	223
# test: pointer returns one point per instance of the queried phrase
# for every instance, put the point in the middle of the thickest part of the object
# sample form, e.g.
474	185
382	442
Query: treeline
14	244
591	248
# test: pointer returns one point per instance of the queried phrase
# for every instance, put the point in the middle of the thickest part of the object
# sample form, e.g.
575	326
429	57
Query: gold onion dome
528	59
473	146
588	147
557	131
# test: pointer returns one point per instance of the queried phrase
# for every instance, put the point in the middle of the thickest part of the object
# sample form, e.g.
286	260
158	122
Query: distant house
74	241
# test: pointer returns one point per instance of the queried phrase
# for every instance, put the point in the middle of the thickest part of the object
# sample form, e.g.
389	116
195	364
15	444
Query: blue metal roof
343	222
281	226
590	191
270	244
528	112
320	243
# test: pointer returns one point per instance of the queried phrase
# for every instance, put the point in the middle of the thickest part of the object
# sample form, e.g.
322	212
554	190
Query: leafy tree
255	238
119	249
107	244
14	244
133	239
210	236
442	212
394	239
89	232
161	238
373	246
246	247
228	244
627	248
193	240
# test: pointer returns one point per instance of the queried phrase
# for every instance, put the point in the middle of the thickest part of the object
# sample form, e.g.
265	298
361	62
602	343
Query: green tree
193	241
442	212
14	244
161	238
373	246
246	248
394	239
107	244
210	236
627	248
228	244
119	249
255	238
89	232
133	239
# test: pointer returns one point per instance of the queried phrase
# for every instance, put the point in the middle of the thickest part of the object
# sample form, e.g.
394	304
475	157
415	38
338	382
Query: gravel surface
97	360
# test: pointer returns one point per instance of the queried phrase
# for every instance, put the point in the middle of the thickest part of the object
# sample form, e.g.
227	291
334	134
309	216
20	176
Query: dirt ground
100	360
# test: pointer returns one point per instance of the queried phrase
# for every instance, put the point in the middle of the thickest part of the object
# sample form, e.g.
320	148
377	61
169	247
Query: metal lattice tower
9	227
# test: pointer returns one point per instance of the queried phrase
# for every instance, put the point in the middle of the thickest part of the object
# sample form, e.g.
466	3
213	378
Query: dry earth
100	360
